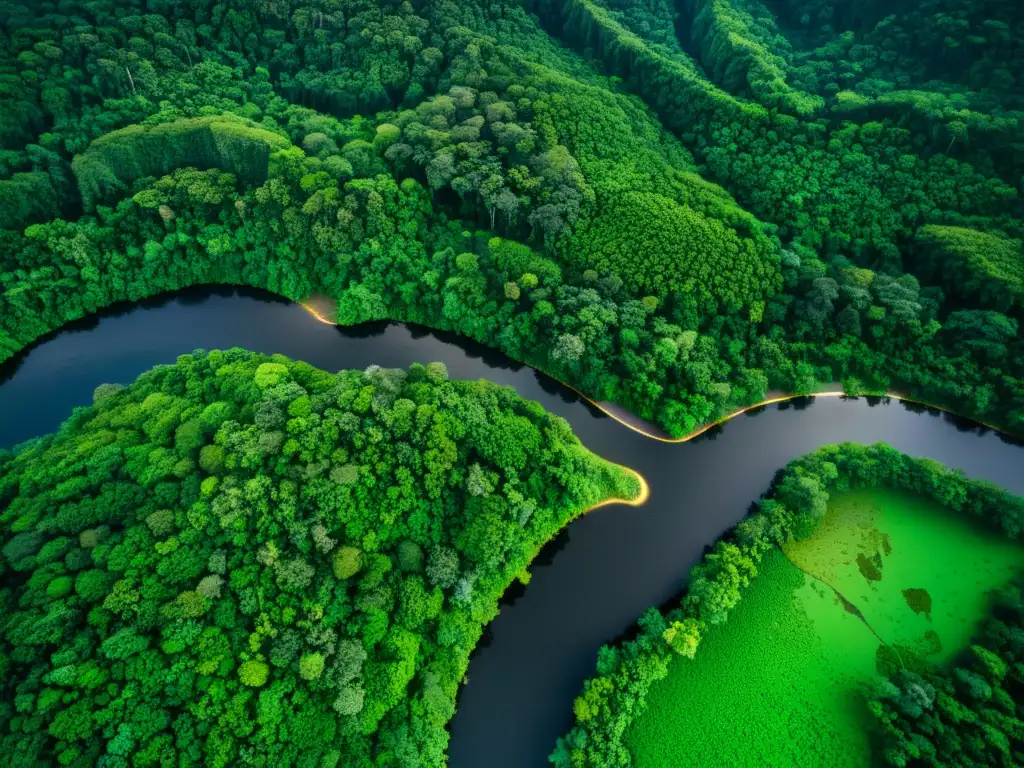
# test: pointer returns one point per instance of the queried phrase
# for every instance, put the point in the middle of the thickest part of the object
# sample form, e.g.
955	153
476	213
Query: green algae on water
889	580
870	567
931	569
918	600
764	688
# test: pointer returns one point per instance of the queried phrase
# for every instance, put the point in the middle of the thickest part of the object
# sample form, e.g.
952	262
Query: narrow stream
596	578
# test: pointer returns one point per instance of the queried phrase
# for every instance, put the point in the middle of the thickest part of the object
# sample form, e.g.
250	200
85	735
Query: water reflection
370	330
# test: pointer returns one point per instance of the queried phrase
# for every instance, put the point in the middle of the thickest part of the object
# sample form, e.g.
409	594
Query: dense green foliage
346	147
973	265
941	60
792	509
677	206
684	251
776	685
226	142
951	58
858	188
967	713
245	560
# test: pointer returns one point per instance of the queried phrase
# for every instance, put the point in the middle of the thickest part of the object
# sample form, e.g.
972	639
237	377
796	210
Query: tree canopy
242	558
684	224
938	726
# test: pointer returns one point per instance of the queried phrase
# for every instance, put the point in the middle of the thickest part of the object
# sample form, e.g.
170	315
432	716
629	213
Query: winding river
597	576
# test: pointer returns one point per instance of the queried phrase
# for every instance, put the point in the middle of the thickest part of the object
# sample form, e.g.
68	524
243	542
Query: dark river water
602	572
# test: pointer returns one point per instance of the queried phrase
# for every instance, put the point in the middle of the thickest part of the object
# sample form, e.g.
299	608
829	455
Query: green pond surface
919	573
783	682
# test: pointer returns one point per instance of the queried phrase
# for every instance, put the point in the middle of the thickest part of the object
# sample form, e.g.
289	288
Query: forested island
681	207
247	559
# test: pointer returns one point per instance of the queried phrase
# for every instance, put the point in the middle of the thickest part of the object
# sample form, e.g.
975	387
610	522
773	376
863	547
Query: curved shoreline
646	429
539	649
317	315
645	489
641	427
613	410
653	432
638	501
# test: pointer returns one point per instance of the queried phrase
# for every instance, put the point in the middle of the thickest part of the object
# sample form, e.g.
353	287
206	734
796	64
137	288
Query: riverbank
637	501
654	432
766	658
323	310
783	682
595	577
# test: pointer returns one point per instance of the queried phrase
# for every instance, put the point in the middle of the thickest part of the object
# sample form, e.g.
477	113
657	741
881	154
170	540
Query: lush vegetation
242	559
940	59
966	713
225	142
373	153
778	684
970	264
684	251
793	510
878	549
856	183
784	681
676	206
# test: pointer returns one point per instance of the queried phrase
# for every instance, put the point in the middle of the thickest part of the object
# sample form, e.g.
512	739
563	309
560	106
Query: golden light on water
320	317
641	431
781	399
316	314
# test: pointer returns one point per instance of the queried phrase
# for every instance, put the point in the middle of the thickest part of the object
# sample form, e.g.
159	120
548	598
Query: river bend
596	578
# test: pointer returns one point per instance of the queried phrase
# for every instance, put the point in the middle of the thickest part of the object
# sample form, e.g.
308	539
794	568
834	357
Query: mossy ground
782	682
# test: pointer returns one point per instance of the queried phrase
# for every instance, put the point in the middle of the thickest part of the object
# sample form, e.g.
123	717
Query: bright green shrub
253	673
60	587
346	562
311	666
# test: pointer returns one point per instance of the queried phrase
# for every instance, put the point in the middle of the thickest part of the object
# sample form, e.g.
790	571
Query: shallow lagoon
785	678
918	572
